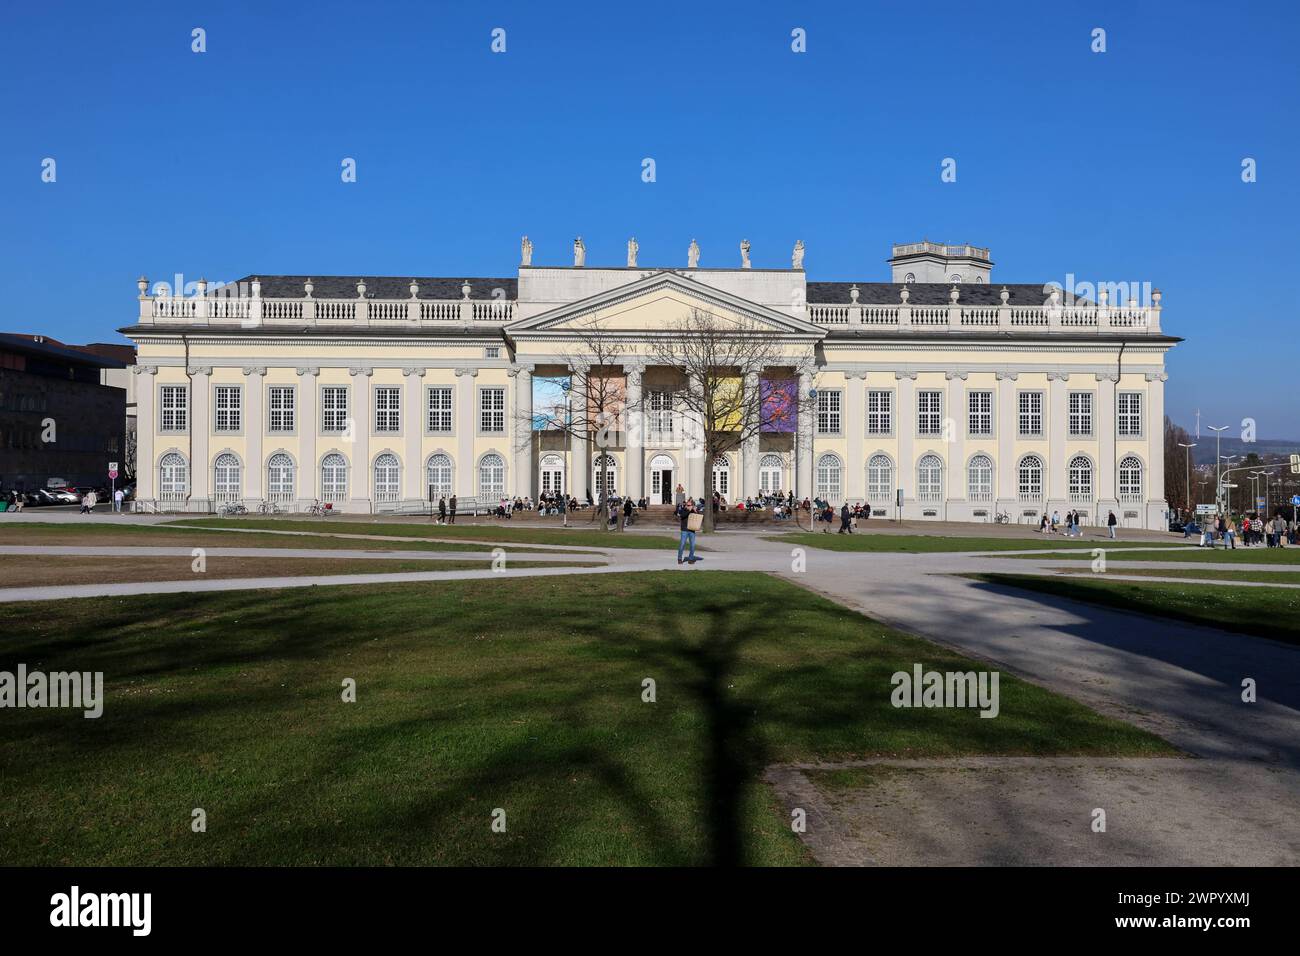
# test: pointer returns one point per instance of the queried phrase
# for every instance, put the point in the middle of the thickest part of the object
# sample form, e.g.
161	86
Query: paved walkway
1239	803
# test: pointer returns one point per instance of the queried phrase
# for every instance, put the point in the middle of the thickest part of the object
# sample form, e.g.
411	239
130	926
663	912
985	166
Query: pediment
655	305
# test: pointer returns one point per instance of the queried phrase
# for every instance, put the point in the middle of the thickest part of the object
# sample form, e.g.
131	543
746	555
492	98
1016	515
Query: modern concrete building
956	399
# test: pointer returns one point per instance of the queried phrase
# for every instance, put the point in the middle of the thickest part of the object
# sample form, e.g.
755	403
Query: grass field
129	535
1193	554
523	695
578	535
924	543
1199	574
1266	612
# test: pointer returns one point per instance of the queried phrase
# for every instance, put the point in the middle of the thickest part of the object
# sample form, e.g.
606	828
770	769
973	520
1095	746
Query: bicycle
318	510
269	508
1002	518
227	510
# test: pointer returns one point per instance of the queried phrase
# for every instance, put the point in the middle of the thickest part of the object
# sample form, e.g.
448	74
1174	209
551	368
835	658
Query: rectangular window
492	351
334	408
280	407
388	409
174	408
929	413
1031	414
880	412
828	412
1080	414
661	415
1129	406
492	410
439	407
227	408
979	406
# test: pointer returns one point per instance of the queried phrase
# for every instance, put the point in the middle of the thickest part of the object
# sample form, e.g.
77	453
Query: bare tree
723	400
594	411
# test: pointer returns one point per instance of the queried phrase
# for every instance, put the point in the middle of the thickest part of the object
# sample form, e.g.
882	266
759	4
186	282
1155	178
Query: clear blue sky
1122	166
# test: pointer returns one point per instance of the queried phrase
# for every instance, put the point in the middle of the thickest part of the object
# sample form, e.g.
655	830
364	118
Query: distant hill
1203	453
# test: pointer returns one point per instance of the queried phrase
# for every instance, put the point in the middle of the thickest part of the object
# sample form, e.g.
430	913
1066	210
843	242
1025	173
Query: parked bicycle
232	509
1002	518
319	510
269	508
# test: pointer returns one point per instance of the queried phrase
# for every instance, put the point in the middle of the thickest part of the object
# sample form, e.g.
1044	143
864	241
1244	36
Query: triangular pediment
654	305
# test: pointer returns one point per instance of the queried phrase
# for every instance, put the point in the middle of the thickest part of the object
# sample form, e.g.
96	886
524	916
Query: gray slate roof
926	293
382	287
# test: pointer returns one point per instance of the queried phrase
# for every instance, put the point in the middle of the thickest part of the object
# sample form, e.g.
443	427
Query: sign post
112	487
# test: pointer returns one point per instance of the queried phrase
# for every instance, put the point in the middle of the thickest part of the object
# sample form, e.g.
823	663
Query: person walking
627	512
1111	522
679	497
87	503
846	516
684	512
442	510
117	501
451	510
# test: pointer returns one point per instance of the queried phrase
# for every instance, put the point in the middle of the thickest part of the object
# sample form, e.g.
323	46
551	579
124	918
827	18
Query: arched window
1080	472
929	478
388	478
880	479
979	478
910	277
438	476
769	474
1130	479
604	475
552	474
334	478
722	476
173	477
279	478
979	280
491	478
226	486
954	278
830	478
1030	478
661	478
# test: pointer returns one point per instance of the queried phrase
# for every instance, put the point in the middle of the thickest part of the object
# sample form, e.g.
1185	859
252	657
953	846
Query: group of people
1072	527
1275	532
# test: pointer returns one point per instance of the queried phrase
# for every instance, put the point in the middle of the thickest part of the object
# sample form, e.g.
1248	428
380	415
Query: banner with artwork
550	402
728	404
780	397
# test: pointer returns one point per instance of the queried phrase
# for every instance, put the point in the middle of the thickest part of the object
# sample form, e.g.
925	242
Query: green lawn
97	534
1202	574
1193	554
924	543
579	534
523	695
1267	612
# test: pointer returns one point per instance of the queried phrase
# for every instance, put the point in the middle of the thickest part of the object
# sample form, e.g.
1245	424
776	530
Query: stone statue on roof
526	252
579	252
796	258
693	255
632	248
744	253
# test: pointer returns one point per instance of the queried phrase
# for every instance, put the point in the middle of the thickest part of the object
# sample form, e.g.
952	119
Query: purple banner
780	398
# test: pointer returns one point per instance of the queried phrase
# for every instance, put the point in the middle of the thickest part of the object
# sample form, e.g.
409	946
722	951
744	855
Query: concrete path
158	551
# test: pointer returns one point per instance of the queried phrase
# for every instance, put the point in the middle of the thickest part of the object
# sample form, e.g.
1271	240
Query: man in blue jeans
684	511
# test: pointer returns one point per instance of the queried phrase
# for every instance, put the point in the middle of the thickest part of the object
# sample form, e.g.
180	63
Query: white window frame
224	489
442	482
334	483
278	490
387	478
979	420
929	479
880	488
1029	413
335	407
979	478
830	409
435	414
493	466
1130	489
1079	408
492	410
929	412
173	408
173	477
828	483
1128	412
771	470
1028	487
1080	479
880	412
227	408
284	419
662	424
388	409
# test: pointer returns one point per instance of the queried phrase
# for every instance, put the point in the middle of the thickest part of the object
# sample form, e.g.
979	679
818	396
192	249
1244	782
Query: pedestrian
845	517
451	510
679	497
117	500
86	503
627	512
1111	522
442	510
684	512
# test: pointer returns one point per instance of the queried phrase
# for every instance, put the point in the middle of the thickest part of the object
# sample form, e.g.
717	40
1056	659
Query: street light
1189	448
1218	474
812	450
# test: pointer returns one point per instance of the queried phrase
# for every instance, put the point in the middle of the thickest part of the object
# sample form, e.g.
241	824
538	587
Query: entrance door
661	479
666	482
552	474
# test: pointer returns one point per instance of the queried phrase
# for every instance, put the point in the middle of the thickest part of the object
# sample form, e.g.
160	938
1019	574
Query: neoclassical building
938	395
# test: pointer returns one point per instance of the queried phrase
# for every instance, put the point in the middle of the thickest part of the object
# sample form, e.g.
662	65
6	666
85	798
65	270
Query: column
521	466
362	424
855	425
146	424
1007	480
634	429
1107	383
413	483
955	430
1154	480
200	425
579	477
905	472
307	479
804	426
254	426
466	486
1057	418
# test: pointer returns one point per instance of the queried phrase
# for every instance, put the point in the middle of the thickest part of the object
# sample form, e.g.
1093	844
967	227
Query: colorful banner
780	397
550	403
606	400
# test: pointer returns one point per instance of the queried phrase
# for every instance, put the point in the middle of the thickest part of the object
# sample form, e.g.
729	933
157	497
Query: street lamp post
1218	473
812	452
1189	448
1226	485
